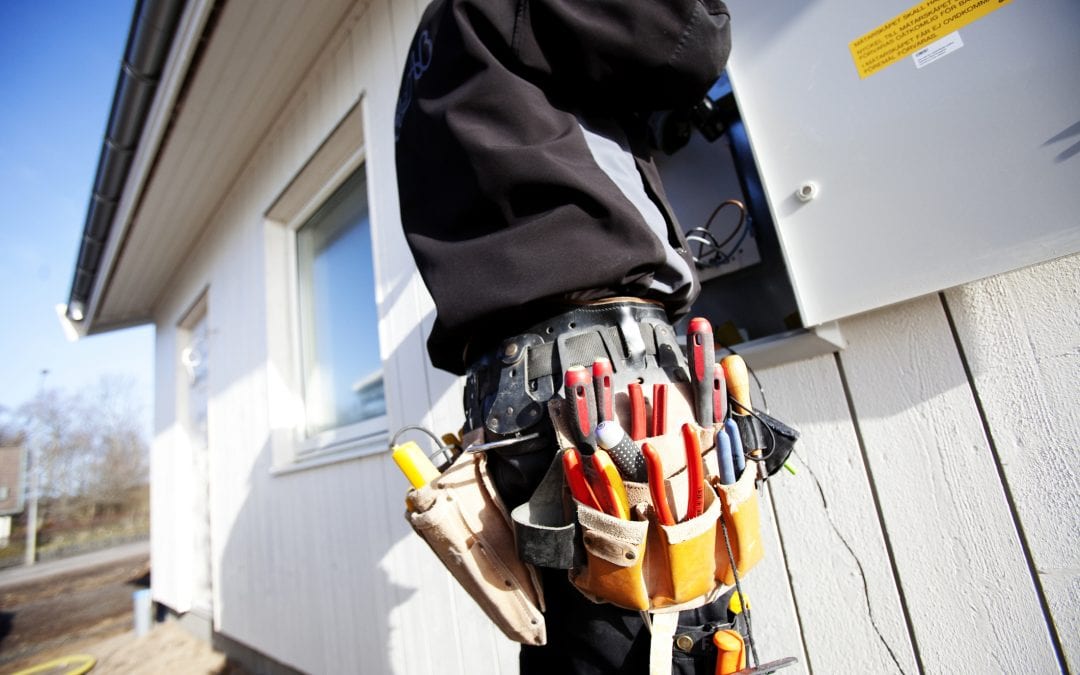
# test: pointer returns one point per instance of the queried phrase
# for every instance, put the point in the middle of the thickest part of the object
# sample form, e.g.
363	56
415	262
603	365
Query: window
338	321
324	370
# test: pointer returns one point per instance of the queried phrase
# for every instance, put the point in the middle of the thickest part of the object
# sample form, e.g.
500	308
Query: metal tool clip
492	445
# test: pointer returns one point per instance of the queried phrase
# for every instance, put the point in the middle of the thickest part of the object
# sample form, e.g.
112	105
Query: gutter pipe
149	42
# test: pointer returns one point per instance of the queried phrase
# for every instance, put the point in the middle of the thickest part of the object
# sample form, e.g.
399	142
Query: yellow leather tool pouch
742	526
614	568
461	518
690	548
639	563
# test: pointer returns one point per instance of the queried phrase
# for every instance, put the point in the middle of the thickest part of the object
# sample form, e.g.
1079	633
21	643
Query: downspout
149	41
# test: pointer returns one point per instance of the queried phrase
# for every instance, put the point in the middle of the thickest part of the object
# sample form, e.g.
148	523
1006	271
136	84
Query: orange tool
695	473
659	409
637	411
738	383
730	652
656	484
575	478
609	487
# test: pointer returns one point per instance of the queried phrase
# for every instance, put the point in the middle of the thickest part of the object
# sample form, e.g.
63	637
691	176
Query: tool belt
638	562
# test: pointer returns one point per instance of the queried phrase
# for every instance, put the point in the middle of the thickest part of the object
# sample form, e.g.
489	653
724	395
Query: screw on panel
806	191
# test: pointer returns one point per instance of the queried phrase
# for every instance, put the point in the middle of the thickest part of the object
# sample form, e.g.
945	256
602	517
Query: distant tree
90	448
11	431
54	426
119	453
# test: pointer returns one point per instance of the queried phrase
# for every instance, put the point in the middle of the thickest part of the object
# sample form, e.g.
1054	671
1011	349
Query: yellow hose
77	663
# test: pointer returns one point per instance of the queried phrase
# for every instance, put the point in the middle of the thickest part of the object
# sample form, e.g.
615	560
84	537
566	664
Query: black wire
717	247
738	226
742	598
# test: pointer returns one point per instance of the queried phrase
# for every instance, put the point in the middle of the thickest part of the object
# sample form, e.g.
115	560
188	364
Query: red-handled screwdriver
701	353
582	405
601	375
719	395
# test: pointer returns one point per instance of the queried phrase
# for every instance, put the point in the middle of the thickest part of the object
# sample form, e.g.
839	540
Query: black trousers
585	638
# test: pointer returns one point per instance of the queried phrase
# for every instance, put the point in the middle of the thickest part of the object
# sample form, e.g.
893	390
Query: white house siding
316	568
931	526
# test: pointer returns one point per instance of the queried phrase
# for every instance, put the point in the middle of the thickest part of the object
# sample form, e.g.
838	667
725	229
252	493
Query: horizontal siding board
1020	334
835	549
962	572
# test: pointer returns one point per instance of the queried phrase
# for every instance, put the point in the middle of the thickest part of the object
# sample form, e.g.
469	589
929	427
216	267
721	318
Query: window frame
292	447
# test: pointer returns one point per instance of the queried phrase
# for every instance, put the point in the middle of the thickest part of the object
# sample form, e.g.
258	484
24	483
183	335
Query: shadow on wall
302	577
308	565
1070	151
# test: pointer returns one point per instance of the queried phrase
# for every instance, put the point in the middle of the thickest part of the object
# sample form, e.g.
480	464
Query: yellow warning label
914	29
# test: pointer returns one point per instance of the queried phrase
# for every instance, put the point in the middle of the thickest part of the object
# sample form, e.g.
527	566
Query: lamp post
32	496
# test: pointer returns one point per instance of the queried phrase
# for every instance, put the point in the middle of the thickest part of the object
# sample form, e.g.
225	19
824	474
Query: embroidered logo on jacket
419	62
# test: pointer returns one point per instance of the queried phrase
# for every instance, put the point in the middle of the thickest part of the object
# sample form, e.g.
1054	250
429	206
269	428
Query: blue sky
59	62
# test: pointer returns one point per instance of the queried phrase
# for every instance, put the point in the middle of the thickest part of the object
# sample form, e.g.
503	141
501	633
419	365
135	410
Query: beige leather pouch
615	557
461	518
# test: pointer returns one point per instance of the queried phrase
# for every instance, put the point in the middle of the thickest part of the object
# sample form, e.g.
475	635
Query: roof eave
165	37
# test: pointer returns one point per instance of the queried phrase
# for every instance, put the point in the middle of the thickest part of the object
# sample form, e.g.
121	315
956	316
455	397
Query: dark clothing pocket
585	638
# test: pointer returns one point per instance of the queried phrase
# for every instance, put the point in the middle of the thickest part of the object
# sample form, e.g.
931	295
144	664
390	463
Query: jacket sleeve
638	55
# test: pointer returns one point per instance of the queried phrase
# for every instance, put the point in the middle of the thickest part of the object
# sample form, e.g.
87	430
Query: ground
89	611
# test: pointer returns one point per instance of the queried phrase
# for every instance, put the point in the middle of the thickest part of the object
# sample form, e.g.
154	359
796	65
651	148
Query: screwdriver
738	383
701	354
624	452
719	394
601	374
738	456
724	457
416	466
582	403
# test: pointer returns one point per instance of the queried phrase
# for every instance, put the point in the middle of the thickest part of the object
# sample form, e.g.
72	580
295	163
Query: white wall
316	568
931	525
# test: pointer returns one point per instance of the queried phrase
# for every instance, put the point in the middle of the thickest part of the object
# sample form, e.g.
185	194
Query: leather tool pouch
643	565
739	540
461	518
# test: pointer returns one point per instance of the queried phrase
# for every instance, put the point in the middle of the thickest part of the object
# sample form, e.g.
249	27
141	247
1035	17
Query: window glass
342	372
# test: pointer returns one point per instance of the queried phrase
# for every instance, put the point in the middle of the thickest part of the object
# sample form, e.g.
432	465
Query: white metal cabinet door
927	177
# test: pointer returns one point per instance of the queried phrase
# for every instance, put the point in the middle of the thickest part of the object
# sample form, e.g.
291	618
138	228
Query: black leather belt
506	390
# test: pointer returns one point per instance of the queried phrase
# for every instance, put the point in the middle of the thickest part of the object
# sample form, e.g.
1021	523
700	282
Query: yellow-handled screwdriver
414	464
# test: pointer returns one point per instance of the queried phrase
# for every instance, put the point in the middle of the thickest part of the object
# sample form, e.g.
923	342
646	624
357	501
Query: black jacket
523	174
